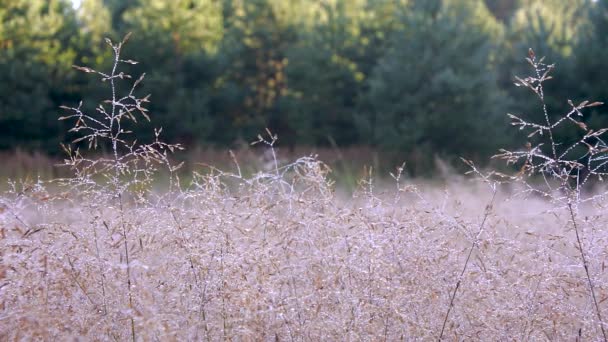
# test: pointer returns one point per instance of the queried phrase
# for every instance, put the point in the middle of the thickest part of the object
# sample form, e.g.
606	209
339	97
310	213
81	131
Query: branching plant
565	170
131	163
131	166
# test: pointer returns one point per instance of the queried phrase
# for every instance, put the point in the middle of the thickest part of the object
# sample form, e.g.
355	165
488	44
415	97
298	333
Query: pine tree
551	28
253	60
435	90
175	43
589	59
329	66
37	40
503	9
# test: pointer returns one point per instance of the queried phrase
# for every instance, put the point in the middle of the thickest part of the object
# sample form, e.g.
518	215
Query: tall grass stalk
566	168
474	245
127	155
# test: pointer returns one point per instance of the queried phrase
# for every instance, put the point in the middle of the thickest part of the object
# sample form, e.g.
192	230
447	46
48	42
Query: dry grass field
284	258
282	255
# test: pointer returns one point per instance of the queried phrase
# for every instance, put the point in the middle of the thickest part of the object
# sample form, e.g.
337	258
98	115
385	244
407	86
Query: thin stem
113	118
223	295
586	267
101	271
194	271
466	263
531	308
117	188
126	247
541	95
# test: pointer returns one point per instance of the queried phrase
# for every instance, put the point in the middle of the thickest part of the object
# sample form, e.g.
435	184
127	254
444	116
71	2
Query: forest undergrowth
281	256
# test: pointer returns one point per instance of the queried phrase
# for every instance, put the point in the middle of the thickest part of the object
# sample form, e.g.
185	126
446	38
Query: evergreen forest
417	78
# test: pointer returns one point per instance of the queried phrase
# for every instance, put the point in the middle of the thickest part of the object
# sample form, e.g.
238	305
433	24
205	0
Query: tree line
413	77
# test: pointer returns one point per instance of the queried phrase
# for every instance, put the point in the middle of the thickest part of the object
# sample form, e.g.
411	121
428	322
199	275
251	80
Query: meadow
282	254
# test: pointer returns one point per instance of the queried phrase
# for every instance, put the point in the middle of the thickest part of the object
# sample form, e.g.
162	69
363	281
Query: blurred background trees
409	77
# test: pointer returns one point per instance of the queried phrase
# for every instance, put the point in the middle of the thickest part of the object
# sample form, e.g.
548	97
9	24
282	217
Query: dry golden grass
279	255
291	261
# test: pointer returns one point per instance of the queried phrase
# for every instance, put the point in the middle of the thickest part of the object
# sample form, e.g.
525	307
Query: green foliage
36	51
327	73
253	60
551	28
176	41
503	9
406	76
589	63
435	90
